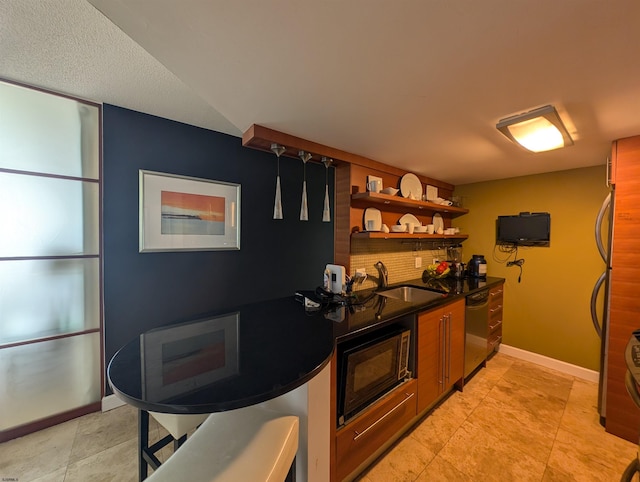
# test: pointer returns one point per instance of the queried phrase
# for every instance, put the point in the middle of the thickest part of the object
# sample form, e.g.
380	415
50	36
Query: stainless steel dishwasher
476	329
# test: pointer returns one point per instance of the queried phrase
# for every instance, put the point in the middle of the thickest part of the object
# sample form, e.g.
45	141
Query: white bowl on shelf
398	228
391	191
420	229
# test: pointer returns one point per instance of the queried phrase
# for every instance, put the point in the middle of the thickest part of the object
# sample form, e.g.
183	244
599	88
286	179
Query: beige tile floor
514	421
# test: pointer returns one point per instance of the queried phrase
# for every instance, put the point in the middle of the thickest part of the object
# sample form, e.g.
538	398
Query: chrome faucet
383	275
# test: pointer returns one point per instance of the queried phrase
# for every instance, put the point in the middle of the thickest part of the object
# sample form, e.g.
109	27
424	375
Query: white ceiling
419	84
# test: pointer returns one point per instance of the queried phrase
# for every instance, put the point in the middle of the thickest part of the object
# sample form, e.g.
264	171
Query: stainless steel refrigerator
604	236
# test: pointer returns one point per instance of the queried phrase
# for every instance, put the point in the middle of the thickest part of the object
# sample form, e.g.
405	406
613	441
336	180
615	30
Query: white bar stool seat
248	444
179	425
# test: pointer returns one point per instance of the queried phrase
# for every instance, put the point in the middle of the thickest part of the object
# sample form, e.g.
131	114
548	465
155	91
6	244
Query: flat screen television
524	229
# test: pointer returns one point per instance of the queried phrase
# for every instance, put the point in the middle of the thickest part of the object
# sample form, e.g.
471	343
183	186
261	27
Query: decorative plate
409	218
411	187
373	214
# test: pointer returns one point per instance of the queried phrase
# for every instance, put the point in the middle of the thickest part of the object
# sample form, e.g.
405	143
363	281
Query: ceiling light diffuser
537	130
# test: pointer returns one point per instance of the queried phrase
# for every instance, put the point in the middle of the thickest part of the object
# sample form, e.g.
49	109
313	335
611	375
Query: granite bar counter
234	358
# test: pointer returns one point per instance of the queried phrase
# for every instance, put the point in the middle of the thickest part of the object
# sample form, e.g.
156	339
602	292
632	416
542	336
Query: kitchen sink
411	293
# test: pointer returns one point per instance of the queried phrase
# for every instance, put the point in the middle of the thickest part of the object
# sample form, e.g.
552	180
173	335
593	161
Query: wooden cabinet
494	328
440	355
360	438
622	416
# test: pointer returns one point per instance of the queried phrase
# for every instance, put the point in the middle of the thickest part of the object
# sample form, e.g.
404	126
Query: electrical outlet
436	260
418	262
361	272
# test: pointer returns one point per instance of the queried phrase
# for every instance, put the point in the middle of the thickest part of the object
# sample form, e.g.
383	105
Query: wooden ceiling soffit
260	138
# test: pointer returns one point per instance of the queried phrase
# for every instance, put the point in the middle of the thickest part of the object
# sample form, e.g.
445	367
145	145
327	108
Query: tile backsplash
397	255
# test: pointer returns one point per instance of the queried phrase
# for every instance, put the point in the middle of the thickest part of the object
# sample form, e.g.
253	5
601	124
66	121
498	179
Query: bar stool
248	444
178	427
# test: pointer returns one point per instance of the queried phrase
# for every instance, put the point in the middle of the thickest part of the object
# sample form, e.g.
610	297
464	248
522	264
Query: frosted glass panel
43	216
48	297
44	379
42	132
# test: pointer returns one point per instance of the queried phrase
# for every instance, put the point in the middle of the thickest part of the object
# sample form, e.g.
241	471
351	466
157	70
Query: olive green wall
548	311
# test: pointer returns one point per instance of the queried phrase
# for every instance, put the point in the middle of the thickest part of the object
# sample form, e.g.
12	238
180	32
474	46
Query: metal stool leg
143	442
291	476
178	442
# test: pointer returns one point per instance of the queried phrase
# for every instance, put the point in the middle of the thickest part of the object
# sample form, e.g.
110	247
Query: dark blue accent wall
146	290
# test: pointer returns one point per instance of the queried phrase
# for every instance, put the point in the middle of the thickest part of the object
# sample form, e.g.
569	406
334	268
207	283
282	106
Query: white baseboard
545	361
110	402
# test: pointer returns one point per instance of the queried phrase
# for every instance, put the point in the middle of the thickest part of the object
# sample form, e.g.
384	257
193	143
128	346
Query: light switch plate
418	262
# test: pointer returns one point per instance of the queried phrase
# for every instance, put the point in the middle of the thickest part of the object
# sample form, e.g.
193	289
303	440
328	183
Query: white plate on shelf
438	223
411	187
373	214
409	218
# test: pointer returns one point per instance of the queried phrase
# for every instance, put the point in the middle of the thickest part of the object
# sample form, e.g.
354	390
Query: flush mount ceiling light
537	130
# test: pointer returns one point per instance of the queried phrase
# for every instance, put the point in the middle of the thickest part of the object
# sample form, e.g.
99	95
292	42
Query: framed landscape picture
180	213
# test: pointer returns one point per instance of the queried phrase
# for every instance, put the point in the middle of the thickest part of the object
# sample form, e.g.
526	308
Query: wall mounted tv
524	229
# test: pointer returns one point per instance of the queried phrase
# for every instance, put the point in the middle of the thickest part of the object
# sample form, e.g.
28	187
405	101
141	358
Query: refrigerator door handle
594	296
598	229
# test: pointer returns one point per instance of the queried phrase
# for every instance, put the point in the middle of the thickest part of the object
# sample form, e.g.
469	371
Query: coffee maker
454	256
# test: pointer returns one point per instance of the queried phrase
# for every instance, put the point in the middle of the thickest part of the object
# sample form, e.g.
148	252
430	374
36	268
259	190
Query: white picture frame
181	213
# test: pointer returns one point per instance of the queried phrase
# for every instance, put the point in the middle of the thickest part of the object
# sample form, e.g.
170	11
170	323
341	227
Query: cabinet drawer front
495	296
494	340
494	326
362	437
495	316
496	291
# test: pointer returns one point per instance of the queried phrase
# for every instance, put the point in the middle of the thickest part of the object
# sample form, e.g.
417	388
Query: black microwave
369	367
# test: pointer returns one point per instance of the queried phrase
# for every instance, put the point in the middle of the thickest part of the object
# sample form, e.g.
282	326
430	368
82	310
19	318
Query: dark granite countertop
235	358
369	311
223	361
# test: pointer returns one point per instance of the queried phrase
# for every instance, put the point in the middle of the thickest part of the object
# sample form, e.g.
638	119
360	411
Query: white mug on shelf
430	228
410	227
374	186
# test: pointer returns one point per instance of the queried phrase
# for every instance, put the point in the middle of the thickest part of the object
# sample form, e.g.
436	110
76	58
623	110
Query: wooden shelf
260	138
431	237
365	199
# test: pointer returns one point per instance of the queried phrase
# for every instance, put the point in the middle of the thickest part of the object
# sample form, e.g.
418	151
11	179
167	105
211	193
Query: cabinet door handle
440	359
409	396
449	347
499	307
494	326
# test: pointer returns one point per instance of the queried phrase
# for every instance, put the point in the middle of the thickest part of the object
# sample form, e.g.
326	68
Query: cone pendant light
326	211
304	211
277	205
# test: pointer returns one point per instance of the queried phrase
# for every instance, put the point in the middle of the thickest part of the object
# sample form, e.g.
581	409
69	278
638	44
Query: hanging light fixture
537	130
304	212
326	211
277	205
